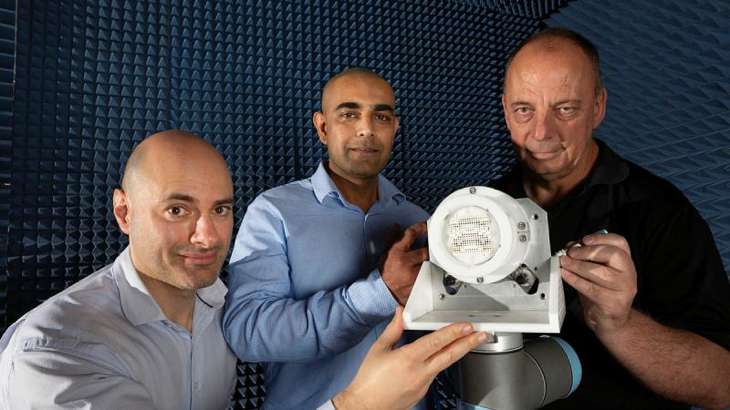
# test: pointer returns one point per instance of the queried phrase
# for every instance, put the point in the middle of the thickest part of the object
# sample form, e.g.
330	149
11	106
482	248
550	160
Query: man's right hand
398	378
401	264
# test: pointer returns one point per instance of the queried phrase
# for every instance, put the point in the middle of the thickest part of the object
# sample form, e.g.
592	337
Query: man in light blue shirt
312	279
143	332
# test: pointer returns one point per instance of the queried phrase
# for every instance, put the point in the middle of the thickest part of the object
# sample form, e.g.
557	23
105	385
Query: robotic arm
490	264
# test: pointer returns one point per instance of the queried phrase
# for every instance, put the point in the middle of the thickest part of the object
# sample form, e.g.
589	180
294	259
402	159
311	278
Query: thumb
395	234
392	333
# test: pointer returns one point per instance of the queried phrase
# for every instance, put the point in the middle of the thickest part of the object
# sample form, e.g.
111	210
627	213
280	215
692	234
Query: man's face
551	108
357	123
179	221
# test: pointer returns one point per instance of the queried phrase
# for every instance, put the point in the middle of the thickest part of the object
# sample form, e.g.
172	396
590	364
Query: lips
200	258
543	155
364	150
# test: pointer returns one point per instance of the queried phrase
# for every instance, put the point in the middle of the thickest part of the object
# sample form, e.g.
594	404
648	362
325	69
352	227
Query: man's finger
607	255
410	235
416	256
428	345
392	333
598	274
610	239
455	351
585	287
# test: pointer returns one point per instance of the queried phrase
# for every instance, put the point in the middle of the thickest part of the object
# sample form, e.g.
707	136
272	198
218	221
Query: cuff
327	406
371	299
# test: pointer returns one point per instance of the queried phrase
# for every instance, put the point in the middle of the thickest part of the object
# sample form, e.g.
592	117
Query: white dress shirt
104	343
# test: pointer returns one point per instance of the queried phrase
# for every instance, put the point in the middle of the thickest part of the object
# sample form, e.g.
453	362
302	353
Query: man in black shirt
649	302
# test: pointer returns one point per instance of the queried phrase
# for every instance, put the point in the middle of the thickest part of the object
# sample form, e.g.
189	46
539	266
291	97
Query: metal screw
521	225
472	190
523	238
442	296
480	280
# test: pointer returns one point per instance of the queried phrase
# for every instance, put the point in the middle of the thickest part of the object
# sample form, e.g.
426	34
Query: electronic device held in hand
490	264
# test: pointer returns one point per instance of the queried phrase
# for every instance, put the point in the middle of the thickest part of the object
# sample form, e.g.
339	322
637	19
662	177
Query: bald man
649	302
144	332
312	279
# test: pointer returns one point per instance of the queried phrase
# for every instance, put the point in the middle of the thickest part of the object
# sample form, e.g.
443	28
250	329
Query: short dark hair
561	33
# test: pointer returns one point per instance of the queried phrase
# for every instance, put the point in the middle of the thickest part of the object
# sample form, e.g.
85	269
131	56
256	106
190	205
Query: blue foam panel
7	62
666	65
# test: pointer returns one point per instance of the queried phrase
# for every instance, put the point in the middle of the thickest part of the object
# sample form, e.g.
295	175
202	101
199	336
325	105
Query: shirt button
196	385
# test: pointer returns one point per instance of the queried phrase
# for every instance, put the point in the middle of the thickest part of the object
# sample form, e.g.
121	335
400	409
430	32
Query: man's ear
122	209
320	124
504	111
599	111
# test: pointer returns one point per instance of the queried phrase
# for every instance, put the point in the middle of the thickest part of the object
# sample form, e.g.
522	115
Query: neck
178	305
547	191
362	192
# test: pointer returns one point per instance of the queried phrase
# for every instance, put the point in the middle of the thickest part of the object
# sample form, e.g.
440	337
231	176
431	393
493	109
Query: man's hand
398	379
400	266
604	275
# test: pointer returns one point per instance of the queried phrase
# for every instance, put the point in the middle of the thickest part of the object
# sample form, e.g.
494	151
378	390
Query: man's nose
365	127
544	126
206	233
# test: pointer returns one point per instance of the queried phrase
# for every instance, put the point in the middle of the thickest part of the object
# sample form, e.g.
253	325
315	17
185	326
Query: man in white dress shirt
145	331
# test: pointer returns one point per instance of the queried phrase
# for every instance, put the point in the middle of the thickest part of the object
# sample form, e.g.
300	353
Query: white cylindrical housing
478	235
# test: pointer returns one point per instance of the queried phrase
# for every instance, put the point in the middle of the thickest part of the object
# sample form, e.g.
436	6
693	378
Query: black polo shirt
681	279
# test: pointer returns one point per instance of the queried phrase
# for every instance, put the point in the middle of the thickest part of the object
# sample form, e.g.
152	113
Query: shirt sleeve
686	285
262	322
83	377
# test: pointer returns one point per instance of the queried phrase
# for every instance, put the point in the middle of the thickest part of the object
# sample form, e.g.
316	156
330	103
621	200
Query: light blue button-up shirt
305	295
104	343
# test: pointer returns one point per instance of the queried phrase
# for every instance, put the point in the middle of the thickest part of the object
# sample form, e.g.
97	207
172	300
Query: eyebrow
356	106
187	198
521	103
226	201
180	197
574	101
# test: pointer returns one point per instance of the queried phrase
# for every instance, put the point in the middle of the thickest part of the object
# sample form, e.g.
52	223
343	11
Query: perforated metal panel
472	234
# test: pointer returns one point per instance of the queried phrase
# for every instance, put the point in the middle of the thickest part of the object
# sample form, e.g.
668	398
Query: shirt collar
609	168
137	303
322	185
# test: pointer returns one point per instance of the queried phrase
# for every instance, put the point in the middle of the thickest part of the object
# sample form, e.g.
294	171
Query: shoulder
418	213
278	197
643	186
85	312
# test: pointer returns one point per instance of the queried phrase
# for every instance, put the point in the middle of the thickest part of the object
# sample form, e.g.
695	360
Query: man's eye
348	115
566	110
382	118
522	110
176	211
223	210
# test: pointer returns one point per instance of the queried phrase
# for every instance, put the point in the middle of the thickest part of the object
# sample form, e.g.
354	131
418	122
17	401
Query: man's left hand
603	273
